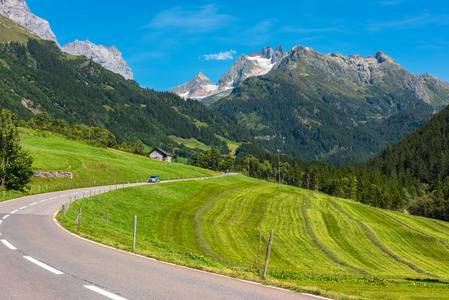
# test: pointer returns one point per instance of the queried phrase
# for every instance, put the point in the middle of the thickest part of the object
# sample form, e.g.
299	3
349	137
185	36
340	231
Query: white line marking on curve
43	200
33	203
7	244
14	211
1	222
4	217
103	292
53	198
23	207
42	265
63	196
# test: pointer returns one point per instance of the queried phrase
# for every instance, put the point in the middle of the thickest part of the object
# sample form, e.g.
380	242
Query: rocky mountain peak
382	57
254	64
199	87
19	12
108	56
203	78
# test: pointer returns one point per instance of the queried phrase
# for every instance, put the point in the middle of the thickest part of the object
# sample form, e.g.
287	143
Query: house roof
160	151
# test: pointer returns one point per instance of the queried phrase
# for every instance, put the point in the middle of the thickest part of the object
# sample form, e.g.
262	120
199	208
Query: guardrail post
79	220
134	235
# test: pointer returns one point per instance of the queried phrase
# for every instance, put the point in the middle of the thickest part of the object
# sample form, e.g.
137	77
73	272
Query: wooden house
158	153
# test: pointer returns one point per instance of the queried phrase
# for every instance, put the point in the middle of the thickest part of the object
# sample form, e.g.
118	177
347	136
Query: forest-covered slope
334	108
38	77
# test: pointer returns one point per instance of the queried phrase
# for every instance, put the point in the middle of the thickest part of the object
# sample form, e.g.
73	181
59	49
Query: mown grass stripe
370	235
329	253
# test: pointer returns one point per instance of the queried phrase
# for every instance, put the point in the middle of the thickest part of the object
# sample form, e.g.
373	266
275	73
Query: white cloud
203	19
220	56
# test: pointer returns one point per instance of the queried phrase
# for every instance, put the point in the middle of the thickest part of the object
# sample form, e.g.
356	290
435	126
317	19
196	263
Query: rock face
331	107
18	11
109	57
197	88
354	70
254	64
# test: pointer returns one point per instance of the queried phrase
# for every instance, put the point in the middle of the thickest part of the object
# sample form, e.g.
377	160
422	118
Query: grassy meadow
323	245
92	165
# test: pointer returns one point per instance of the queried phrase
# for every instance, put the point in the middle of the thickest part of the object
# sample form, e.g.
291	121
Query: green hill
337	246
37	77
11	31
420	162
92	166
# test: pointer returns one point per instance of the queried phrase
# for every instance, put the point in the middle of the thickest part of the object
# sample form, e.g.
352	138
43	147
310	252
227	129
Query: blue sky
166	43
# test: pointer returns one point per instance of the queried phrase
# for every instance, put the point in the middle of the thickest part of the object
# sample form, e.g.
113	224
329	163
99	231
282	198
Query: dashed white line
73	193
33	203
1	221
43	200
7	244
53	198
4	217
63	196
14	211
42	265
104	293
23	207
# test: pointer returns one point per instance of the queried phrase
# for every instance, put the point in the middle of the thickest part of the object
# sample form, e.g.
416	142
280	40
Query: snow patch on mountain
254	64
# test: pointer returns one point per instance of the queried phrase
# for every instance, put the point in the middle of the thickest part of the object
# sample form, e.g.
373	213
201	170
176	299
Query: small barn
158	153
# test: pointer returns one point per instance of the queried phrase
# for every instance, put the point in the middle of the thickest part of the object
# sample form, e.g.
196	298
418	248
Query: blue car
154	178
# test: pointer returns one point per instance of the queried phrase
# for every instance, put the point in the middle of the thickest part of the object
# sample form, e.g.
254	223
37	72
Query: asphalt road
40	260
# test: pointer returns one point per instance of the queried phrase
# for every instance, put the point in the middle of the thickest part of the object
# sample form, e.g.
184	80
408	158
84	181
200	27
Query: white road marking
5	217
1	221
7	244
14	211
63	196
42	265
73	193
43	200
104	293
53	198
23	207
33	203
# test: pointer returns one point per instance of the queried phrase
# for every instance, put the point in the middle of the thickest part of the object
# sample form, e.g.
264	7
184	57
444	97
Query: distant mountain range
254	64
38	77
332	107
109	57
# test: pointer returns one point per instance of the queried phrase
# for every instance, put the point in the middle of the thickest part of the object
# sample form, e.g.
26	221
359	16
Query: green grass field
329	246
92	165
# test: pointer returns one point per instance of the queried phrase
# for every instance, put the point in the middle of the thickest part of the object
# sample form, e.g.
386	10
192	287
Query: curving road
40	260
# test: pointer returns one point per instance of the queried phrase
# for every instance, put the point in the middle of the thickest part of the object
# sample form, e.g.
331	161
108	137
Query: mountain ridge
108	56
254	64
331	107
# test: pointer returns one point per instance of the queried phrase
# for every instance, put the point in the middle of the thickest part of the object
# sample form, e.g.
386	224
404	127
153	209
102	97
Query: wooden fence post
268	254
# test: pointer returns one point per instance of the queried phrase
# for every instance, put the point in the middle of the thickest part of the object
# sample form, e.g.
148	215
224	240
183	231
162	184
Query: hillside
221	223
333	108
38	77
91	165
420	161
11	31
